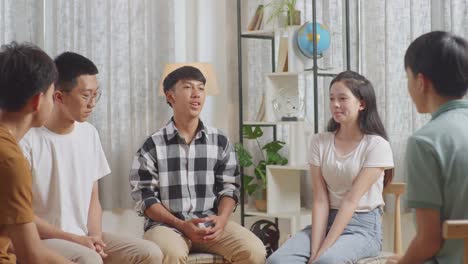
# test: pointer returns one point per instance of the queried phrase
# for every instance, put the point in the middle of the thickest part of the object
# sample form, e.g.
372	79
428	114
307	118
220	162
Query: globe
305	39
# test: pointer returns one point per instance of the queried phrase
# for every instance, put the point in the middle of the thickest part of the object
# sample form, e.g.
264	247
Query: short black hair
25	71
442	57
70	66
183	73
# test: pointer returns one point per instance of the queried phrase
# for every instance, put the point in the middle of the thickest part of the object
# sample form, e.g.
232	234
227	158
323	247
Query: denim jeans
362	238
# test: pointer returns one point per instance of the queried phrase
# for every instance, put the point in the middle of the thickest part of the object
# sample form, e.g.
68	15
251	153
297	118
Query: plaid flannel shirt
187	179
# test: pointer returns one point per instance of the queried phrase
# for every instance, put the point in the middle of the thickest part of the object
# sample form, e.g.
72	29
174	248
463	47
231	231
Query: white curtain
130	41
20	20
380	33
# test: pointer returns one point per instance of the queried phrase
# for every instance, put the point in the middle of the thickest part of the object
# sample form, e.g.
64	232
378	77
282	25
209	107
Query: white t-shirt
339	171
64	169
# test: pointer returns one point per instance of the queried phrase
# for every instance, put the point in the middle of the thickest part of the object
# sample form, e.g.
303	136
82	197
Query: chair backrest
457	229
396	189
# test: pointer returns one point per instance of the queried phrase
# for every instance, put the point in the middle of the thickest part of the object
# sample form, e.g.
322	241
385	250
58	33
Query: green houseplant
256	184
285	6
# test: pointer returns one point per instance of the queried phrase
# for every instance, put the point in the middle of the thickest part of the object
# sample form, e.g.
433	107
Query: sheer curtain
20	21
130	41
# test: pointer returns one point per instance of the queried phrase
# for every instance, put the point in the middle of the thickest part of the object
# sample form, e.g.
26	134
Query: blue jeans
362	238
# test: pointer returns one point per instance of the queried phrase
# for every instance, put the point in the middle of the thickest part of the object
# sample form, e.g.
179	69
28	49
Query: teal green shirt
437	169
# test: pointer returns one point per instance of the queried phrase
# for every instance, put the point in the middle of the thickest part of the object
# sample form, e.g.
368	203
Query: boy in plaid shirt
185	181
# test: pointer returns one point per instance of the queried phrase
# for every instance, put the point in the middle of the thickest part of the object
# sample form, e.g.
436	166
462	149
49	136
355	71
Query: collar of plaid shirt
172	130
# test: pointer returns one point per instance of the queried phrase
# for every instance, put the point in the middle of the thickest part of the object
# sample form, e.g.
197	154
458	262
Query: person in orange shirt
27	76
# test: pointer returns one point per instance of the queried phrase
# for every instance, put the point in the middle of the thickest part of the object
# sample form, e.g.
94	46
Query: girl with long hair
349	164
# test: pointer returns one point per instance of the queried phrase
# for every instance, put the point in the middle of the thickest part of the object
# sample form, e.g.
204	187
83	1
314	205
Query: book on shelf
259	24
261	110
282	65
257	19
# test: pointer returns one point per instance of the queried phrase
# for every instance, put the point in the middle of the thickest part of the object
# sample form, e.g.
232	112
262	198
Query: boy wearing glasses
67	160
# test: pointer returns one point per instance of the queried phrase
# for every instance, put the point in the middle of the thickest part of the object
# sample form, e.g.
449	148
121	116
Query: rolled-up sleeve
227	174
144	177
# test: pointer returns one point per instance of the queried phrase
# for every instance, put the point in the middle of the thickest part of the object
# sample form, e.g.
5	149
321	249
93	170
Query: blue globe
305	39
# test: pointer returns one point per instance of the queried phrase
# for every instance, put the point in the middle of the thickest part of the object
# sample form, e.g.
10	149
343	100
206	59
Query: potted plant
270	156
288	7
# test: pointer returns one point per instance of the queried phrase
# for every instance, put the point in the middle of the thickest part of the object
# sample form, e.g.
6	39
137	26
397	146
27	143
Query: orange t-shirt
15	190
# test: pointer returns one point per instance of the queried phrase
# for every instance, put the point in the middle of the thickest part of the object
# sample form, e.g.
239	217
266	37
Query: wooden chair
457	229
396	189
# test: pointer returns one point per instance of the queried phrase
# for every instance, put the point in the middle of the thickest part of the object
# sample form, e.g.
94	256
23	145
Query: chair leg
397	221
465	246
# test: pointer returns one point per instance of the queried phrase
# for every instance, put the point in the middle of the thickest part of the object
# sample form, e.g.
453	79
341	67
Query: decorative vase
281	20
295	18
260	201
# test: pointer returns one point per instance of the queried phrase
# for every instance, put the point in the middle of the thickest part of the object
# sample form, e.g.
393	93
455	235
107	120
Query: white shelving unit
284	196
258	33
284	189
274	83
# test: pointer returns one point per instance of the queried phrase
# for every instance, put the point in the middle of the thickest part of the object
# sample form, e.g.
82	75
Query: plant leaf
274	158
280	7
244	157
260	172
250	188
274	146
284	161
247	179
252	132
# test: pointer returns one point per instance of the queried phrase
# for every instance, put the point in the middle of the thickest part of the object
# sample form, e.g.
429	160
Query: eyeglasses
88	98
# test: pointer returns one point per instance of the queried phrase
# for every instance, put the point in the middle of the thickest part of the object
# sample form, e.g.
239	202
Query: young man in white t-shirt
67	160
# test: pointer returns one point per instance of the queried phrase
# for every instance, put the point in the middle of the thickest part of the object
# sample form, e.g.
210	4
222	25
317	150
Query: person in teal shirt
436	65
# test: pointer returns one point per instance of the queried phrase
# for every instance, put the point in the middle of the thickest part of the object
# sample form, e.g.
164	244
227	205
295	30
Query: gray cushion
380	259
205	258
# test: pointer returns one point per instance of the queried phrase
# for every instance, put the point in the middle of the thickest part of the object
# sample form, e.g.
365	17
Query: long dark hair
369	119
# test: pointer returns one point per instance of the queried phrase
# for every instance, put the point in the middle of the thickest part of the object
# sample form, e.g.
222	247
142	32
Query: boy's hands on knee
192	230
92	242
217	227
100	251
204	229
